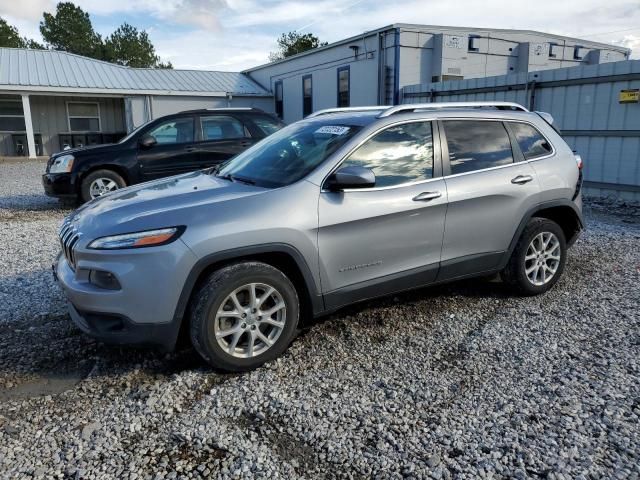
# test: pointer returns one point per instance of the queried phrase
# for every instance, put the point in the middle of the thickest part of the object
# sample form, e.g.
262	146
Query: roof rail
346	109
433	106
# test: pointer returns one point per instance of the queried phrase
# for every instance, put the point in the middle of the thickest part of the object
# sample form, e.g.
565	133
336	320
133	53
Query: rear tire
236	330
538	260
100	182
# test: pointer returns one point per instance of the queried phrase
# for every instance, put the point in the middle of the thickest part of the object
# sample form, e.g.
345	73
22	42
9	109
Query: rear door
223	136
490	189
387	238
174	151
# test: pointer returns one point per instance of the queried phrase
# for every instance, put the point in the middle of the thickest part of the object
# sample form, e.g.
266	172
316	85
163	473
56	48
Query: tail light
578	161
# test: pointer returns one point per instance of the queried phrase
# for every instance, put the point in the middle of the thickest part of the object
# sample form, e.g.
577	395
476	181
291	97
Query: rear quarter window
532	143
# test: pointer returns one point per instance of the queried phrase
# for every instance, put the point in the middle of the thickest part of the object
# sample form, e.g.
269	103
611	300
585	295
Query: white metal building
49	99
372	68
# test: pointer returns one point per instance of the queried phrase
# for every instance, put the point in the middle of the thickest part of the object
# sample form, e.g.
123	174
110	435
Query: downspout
396	68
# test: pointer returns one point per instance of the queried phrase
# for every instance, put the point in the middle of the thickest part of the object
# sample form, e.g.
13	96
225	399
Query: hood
90	148
161	203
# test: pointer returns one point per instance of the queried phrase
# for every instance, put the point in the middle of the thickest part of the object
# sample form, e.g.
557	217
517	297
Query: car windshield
289	154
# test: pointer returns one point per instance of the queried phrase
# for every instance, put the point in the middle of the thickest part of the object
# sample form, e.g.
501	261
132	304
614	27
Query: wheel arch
564	212
94	168
281	256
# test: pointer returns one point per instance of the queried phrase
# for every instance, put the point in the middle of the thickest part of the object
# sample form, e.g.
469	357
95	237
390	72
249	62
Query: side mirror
147	141
351	177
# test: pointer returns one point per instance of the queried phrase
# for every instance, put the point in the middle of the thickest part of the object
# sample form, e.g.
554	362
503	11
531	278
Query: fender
317	303
531	213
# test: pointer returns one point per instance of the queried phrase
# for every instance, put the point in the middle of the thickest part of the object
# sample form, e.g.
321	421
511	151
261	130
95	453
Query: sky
232	35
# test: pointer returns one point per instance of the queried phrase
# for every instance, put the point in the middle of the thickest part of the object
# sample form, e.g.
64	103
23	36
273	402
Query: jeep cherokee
343	206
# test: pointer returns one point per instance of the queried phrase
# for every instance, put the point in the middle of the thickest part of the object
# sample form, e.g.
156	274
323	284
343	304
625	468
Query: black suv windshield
289	154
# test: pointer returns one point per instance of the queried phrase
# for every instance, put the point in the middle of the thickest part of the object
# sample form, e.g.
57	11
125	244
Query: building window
576	52
83	116
279	96
552	53
11	116
344	86
472	43
307	95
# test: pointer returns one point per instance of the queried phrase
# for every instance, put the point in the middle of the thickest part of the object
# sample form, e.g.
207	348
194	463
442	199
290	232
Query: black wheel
100	182
244	315
538	260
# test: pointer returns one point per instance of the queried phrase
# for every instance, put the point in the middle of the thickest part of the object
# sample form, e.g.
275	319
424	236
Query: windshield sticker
333	130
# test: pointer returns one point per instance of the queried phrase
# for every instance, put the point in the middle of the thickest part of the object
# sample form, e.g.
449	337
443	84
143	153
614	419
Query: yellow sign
629	96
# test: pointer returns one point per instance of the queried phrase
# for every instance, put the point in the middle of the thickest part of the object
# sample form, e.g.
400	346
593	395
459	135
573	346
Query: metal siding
591	106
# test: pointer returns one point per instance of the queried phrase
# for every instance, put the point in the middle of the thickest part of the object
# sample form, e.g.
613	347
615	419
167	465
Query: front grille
69	237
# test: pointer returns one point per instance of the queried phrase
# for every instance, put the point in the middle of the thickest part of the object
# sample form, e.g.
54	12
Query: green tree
70	29
9	37
131	47
293	42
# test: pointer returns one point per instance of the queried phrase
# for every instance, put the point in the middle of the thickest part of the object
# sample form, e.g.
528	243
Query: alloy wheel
100	186
250	320
542	259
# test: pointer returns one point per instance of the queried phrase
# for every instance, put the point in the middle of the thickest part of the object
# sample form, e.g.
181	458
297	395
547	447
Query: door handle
522	179
191	149
426	196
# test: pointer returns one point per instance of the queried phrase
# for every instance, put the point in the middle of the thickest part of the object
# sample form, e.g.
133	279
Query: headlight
150	238
62	164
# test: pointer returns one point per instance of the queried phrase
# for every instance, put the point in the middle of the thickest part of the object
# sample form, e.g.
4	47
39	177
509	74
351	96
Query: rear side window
476	145
397	155
221	127
531	141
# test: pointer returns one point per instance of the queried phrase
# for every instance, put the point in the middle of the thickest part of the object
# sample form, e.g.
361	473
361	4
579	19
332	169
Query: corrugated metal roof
48	69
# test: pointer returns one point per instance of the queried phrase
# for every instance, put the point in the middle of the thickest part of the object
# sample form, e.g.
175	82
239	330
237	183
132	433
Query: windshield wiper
248	181
234	178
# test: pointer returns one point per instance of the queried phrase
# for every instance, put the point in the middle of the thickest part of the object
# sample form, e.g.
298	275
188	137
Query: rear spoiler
548	118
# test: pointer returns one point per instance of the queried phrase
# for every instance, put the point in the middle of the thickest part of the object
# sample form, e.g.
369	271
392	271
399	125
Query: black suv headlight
62	164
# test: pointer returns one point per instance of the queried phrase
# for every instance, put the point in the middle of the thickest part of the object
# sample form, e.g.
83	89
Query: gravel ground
459	381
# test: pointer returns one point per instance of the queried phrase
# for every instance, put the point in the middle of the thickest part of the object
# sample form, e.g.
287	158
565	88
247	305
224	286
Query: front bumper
60	184
143	310
120	330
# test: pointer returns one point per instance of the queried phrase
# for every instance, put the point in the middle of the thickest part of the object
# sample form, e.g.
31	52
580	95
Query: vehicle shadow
481	287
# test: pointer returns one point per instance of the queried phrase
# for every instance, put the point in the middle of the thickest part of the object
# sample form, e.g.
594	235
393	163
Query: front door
223	137
387	238
489	189
174	151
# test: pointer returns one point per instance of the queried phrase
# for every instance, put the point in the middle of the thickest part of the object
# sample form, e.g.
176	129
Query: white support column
26	110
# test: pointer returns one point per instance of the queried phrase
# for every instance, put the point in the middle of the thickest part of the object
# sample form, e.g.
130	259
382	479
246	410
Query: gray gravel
459	381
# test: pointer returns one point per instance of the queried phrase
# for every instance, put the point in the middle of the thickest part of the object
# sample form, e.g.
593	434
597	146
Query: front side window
174	131
267	125
221	127
83	117
476	145
289	154
307	95
11	116
343	87
531	141
279	96
397	155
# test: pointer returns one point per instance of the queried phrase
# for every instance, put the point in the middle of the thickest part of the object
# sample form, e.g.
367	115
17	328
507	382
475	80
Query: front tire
538	260
99	183
244	315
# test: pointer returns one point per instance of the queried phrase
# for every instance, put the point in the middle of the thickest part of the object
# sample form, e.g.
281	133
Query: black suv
169	145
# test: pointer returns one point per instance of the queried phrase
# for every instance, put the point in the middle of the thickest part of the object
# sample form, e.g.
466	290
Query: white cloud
236	34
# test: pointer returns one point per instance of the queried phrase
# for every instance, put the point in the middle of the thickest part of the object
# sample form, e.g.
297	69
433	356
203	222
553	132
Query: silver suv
344	206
